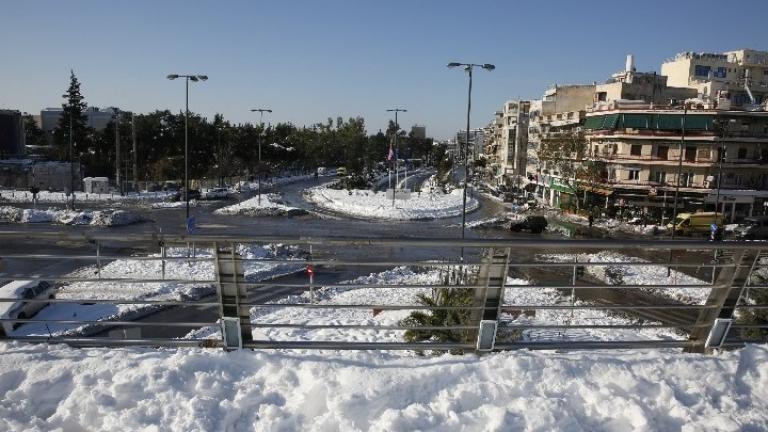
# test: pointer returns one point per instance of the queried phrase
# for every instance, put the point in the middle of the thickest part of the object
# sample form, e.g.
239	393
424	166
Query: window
742	153
704	153
633	174
686	179
720	72
701	70
659	177
662	152
690	153
636	150
603	96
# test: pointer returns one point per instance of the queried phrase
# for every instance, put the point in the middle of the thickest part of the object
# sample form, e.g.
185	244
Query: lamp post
187	79
679	169
261	112
724	127
467	67
118	180
397	149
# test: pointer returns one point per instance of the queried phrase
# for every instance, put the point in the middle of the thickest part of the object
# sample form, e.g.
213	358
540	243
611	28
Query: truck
696	223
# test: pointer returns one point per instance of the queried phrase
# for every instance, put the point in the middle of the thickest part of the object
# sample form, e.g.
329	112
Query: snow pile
629	227
108	217
174	204
270	205
638	275
368	204
56	387
21	196
201	270
270	182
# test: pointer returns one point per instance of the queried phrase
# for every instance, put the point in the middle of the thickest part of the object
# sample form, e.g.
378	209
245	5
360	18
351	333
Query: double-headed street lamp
467	67
397	149
261	112
187	79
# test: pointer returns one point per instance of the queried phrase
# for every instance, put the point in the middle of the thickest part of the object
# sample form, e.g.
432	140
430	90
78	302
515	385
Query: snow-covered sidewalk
56	387
268	205
376	205
108	217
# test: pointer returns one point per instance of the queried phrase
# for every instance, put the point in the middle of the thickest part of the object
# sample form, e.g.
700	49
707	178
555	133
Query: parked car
215	193
23	290
194	194
535	224
321	170
701	223
753	228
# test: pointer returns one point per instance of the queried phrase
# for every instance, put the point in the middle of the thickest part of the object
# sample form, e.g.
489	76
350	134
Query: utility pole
261	112
118	167
135	155
397	151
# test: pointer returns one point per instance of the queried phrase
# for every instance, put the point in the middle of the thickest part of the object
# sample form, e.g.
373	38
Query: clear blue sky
309	60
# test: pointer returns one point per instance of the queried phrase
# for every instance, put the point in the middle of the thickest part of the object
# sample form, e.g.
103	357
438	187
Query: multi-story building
506	143
95	118
419	131
729	80
11	134
643	166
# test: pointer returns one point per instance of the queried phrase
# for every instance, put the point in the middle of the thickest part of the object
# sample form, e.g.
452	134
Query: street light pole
468	67
679	168
397	150
261	112
187	79
118	180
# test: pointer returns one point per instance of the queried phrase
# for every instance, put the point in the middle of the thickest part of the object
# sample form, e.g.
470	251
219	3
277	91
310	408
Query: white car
21	290
215	193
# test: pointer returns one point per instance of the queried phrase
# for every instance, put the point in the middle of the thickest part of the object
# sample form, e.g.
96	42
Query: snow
609	224
202	271
270	182
271	205
368	204
174	204
56	387
639	275
109	217
21	196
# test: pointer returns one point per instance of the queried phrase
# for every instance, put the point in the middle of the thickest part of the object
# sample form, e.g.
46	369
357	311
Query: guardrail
246	292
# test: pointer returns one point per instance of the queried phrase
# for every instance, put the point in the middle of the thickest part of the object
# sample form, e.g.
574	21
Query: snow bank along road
55	387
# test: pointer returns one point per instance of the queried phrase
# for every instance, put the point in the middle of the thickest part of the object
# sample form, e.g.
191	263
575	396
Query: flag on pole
391	154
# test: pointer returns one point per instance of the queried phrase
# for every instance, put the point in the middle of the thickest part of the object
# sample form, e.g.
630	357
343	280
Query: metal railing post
230	276
493	276
725	294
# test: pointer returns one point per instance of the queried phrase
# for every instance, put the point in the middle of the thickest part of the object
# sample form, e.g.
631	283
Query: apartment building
645	154
729	80
506	144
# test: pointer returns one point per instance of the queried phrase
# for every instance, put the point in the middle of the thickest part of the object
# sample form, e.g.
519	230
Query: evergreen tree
73	109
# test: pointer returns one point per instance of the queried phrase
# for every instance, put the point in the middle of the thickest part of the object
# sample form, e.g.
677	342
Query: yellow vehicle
341	171
689	223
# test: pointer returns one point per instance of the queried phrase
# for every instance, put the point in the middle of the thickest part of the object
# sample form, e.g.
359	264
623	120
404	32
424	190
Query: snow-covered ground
49	387
152	269
270	205
638	275
368	204
174	204
108	217
60	388
610	224
270	182
20	196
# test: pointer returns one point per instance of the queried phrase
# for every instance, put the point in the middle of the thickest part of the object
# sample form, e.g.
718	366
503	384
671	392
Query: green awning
594	122
610	121
668	121
635	121
698	122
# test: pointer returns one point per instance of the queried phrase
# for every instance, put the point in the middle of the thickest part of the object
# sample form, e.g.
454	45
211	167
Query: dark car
194	194
753	228
535	224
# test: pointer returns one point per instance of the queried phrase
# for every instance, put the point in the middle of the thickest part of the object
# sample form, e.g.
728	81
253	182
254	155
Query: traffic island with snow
109	217
266	205
367	204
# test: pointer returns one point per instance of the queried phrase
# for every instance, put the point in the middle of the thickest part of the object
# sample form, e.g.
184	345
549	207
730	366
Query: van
320	171
701	223
23	290
341	171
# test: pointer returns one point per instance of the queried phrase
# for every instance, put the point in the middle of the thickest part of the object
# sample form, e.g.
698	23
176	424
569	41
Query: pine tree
73	108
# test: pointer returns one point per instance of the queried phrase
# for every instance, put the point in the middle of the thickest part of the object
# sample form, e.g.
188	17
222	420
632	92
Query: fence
254	292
